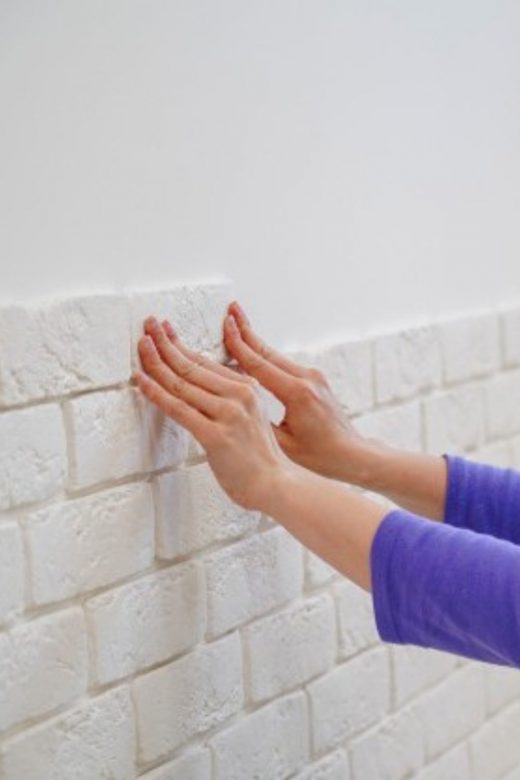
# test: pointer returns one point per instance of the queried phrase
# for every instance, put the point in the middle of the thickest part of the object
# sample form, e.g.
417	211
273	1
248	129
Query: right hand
315	431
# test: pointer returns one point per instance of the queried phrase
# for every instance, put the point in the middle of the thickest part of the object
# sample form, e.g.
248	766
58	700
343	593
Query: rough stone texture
407	363
510	320
84	544
188	696
63	346
11	572
470	346
495	747
269	744
290	647
193	511
43	665
147	621
193	766
348	368
96	739
396	425
501	405
33	455
454	420
251	577
333	767
356	624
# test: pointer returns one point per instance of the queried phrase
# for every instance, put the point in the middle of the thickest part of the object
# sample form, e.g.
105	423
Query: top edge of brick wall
71	344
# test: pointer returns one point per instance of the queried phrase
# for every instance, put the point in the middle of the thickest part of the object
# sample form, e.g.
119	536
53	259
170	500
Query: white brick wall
151	628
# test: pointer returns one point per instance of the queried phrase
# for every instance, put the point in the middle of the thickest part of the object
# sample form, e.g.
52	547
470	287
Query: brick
84	544
193	511
498	453
502	686
399	426
147	621
495	748
11	572
269	744
393	749
348	368
470	346
195	765
252	577
356	624
454	763
196	311
452	710
350	698
188	697
454	420
95	739
33	455
417	668
44	665
406	363
334	766
510	321
290	647
501	407
62	347
317	570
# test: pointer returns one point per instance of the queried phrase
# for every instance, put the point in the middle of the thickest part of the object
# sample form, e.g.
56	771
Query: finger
175	385
259	346
191	419
275	379
212	365
192	372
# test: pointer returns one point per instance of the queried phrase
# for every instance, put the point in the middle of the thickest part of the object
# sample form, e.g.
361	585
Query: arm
432	585
449	488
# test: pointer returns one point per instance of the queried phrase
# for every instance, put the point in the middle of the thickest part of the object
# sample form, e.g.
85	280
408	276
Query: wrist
364	462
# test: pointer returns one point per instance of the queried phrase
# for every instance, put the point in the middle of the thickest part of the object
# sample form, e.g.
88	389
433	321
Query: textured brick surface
150	627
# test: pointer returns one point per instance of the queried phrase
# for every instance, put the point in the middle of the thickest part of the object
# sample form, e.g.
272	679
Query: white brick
334	766
417	668
470	346
63	346
348	368
192	766
269	744
452	710
94	740
495	748
43	664
350	698
196	311
105	433
11	572
399	426
502	685
93	541
393	749
511	336
406	363
498	453
454	420
147	621
194	511
317	570
453	764
188	696
33	455
290	647
251	577
501	405
356	624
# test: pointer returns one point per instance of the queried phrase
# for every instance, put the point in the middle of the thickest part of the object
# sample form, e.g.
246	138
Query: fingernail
232	322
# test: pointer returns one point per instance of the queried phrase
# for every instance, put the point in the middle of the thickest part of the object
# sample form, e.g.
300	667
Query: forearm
329	518
413	480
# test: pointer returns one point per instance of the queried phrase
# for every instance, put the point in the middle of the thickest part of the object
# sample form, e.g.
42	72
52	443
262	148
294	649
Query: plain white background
347	163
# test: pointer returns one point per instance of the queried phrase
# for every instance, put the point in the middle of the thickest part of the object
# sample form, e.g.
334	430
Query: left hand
220	407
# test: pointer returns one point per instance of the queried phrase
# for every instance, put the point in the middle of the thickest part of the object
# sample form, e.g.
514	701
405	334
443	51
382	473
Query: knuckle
316	375
305	391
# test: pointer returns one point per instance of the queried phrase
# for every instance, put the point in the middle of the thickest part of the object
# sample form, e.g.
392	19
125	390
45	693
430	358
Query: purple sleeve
483	498
448	588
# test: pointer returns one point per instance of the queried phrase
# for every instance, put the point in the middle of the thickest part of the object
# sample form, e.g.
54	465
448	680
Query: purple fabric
455	585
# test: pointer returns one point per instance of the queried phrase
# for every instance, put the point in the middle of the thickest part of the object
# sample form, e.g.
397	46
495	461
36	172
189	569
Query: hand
221	408
315	432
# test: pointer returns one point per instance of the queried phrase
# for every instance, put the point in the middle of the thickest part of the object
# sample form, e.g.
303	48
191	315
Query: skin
292	472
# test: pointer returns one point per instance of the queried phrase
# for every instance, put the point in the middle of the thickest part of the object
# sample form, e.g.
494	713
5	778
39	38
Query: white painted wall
346	163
